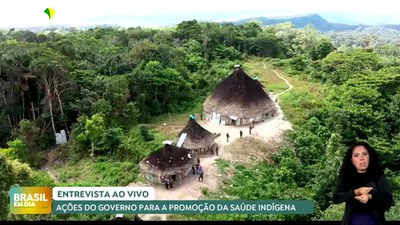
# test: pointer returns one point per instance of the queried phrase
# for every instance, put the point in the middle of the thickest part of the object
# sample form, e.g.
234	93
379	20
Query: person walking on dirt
227	137
250	127
241	134
166	181
201	173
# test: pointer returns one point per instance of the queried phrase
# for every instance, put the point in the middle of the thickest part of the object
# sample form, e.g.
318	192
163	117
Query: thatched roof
258	81
239	95
197	136
167	160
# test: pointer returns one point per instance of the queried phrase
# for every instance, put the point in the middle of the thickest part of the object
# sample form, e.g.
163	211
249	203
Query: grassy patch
90	172
263	70
174	122
301	101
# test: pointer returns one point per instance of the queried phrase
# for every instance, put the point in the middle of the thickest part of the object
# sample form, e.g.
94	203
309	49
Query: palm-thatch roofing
197	136
239	95
167	160
258	81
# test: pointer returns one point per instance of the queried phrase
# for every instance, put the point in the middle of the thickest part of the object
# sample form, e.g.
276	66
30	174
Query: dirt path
190	188
286	81
51	161
51	174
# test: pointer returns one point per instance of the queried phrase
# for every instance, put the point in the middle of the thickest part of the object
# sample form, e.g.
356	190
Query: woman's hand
363	198
362	191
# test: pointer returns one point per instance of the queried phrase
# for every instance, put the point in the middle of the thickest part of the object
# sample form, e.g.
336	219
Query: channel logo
30	200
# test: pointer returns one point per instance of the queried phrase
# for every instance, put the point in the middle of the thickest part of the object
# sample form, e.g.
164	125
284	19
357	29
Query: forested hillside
302	21
105	85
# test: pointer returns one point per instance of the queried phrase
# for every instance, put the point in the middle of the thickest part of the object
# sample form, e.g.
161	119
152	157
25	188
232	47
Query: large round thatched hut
168	161
195	138
238	100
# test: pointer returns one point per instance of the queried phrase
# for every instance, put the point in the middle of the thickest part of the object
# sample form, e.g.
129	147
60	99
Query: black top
362	180
381	201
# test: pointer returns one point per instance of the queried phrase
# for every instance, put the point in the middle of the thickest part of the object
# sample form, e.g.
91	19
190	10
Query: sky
153	13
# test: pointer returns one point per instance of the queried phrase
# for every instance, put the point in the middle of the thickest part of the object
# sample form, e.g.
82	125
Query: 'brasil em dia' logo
30	200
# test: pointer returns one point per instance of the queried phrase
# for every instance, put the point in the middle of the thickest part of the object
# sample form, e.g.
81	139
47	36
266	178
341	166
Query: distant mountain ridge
315	20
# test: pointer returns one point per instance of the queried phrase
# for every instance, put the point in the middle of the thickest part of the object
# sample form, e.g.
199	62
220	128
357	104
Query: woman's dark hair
348	170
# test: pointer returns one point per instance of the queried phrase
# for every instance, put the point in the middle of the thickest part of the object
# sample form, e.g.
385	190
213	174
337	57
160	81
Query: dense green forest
105	85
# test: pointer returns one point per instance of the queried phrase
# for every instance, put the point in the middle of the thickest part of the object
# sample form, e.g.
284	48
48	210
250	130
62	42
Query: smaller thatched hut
195	138
168	161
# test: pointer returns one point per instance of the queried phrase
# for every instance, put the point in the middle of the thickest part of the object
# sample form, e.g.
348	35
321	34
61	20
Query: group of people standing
241	132
196	169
